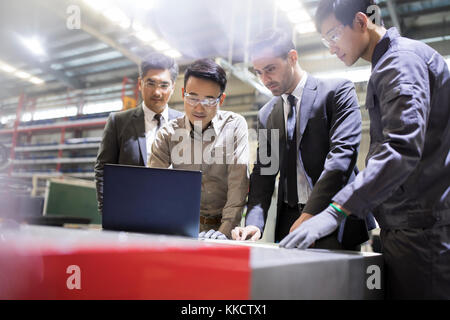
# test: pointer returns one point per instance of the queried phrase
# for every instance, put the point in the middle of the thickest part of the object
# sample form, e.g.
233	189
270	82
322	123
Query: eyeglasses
164	86
333	36
193	100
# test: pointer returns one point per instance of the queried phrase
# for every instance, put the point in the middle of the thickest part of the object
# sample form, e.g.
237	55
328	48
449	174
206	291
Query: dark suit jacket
328	137
123	143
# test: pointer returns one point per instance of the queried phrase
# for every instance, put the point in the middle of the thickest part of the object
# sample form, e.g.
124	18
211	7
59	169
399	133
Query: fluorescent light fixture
7	118
117	16
305	27
99	107
361	74
125	24
19	73
22	75
36	80
6	67
34	45
26	117
160	45
55	113
299	15
288	5
137	26
144	5
146	35
173	53
98	5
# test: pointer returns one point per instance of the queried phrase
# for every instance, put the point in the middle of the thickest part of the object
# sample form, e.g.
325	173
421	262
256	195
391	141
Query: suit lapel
278	118
308	97
139	125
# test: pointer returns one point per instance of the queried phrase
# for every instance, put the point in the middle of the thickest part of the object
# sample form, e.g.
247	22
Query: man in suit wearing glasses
128	135
318	127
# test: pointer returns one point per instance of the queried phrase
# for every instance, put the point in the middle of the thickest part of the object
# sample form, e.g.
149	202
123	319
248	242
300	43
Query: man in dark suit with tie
128	135
313	135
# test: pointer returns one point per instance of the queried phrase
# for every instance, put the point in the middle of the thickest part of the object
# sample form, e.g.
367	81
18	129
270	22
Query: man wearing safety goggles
212	141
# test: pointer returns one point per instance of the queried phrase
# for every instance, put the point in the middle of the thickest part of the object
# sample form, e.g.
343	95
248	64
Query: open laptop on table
149	200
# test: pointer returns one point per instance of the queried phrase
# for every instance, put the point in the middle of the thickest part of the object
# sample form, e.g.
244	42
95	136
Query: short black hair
207	69
159	61
344	10
279	41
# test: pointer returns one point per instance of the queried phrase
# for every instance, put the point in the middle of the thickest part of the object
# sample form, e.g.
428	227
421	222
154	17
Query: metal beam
84	55
61	76
243	74
112	43
415	13
428	31
95	64
94	32
33	62
56	49
131	67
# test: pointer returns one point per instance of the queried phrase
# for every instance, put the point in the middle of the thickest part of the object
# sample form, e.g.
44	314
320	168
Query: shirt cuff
255	217
226	228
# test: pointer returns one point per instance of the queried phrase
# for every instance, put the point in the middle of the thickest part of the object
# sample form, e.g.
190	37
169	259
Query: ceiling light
98	107
160	45
36	80
98	5
146	36
27	117
137	26
144	5
298	15
288	5
34	45
305	27
22	75
55	113
173	53
6	67
117	16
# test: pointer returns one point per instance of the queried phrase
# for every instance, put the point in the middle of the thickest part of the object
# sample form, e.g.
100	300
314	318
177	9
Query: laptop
150	200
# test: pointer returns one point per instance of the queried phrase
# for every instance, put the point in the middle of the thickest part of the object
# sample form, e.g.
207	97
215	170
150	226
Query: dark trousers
287	217
417	263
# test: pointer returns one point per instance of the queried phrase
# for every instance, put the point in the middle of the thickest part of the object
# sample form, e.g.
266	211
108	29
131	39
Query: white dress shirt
151	125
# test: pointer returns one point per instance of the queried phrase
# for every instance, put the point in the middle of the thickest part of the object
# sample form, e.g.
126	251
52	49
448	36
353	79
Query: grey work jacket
406	182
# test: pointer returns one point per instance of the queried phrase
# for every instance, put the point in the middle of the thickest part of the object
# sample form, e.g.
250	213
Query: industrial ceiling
86	48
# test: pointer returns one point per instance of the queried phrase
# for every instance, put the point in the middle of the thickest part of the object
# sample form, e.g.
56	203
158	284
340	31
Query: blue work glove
212	234
313	229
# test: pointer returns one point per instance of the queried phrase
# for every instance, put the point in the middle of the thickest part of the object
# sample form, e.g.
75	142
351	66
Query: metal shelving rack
63	146
30	156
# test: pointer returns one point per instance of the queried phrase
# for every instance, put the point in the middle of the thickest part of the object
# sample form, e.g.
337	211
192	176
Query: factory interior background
66	65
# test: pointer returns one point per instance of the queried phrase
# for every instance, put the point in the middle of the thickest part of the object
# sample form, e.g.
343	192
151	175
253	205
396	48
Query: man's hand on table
240	233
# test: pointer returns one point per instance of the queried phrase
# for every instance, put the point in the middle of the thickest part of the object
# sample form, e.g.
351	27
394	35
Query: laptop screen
149	200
